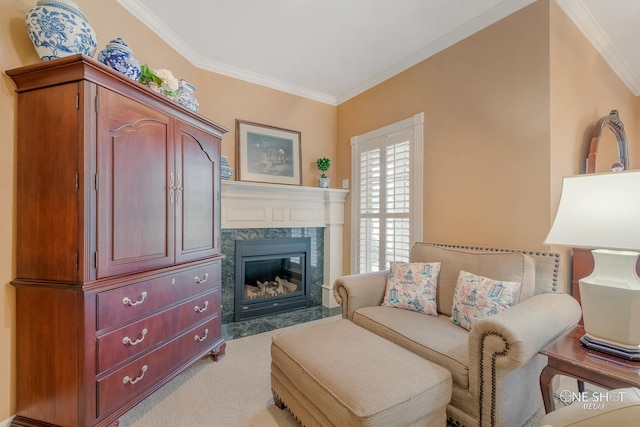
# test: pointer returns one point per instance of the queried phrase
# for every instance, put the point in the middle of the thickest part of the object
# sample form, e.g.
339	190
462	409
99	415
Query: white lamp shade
599	211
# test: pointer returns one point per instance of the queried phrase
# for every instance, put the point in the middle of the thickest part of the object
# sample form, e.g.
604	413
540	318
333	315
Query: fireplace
251	211
271	276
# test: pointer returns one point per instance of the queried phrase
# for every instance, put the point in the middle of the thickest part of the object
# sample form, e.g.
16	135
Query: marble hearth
271	211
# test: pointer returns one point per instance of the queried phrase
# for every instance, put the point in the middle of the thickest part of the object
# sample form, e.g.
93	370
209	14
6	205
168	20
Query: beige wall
486	105
583	89
507	114
221	98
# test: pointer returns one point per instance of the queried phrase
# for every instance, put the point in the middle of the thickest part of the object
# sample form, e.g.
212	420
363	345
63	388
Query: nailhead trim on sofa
493	374
555	281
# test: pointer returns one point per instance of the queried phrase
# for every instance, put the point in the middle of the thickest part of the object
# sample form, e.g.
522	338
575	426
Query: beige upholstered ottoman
339	374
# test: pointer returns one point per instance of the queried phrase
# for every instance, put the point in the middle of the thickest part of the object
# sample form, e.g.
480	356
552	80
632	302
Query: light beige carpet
234	392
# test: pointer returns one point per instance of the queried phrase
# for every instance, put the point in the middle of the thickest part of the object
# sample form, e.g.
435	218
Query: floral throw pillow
477	297
412	286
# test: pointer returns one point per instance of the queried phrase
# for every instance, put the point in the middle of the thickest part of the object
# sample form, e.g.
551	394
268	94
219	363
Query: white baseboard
6	422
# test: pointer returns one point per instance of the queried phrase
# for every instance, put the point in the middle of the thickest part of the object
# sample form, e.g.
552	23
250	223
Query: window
386	202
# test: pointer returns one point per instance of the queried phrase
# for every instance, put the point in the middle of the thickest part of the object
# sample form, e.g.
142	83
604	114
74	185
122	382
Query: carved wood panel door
198	195
135	158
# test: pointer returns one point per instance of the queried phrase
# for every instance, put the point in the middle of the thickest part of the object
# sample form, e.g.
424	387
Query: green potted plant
323	163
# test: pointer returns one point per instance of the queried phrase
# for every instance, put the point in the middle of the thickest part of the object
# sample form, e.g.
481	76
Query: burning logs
269	288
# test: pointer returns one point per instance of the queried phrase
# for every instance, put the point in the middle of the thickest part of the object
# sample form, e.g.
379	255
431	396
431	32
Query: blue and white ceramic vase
225	169
185	96
57	28
119	56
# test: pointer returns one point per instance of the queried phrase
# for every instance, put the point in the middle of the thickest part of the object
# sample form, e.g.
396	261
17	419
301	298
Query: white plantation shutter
369	209
387	190
398	200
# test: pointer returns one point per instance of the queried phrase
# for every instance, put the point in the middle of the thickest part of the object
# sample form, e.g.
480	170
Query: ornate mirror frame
612	121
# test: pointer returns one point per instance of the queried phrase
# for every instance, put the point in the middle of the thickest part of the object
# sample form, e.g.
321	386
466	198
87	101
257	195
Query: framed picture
267	154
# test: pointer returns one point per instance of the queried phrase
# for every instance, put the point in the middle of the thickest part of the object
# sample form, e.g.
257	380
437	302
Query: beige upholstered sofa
495	366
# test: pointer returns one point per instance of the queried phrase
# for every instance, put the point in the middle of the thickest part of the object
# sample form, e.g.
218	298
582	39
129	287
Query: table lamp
602	211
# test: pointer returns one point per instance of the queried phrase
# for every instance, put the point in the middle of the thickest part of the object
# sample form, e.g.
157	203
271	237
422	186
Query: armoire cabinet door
197	200
135	184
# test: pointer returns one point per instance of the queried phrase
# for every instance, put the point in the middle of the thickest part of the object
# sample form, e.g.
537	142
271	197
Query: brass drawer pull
200	339
200	310
128	379
127	340
127	300
204	279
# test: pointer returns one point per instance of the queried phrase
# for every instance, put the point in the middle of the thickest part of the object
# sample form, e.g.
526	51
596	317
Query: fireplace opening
272	276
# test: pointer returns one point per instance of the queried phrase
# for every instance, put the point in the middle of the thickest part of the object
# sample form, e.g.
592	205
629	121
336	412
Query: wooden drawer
120	305
141	374
121	344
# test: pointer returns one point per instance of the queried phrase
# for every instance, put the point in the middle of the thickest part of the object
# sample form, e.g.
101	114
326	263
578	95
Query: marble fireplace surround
248	205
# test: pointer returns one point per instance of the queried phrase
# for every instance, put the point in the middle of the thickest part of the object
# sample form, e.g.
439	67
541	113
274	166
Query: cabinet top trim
80	67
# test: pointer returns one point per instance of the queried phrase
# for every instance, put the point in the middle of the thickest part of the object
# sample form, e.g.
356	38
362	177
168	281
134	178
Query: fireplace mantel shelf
279	188
257	205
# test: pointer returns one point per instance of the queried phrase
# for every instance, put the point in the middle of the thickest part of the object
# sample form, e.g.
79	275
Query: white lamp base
610	299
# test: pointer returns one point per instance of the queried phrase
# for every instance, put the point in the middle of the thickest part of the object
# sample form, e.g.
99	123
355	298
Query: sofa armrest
525	329
360	290
504	356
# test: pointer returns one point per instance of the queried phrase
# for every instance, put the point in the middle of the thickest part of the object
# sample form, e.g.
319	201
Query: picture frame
268	154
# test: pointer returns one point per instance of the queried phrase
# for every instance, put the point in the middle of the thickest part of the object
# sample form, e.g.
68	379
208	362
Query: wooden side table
566	356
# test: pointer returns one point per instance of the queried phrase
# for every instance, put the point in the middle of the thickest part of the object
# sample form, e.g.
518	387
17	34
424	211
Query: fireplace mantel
254	205
257	205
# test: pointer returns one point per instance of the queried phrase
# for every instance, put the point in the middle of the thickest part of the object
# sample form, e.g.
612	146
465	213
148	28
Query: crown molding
251	77
149	19
587	24
136	8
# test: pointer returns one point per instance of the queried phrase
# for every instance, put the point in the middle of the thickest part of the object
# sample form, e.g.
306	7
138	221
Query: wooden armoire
118	242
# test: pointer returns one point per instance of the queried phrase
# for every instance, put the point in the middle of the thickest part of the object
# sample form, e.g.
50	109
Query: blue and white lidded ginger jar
119	56
185	96
58	28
